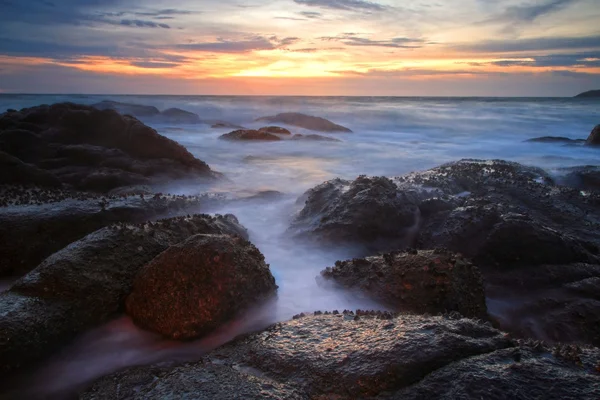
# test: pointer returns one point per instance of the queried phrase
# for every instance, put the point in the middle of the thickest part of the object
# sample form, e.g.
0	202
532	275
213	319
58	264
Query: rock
14	171
584	177
275	130
249	134
195	286
135	110
529	371
85	284
305	121
555	139
222	124
317	138
594	138
423	281
45	221
135	190
369	212
316	357
589	94
179	116
87	149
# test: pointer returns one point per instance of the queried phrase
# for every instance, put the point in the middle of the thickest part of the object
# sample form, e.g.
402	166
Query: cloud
154	64
554	60
240	46
412	72
143	24
345	5
535	44
352	39
311	14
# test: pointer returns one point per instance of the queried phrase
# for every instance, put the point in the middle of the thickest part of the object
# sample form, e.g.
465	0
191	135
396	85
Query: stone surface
305	121
423	281
250	134
585	177
594	138
276	130
86	283
197	285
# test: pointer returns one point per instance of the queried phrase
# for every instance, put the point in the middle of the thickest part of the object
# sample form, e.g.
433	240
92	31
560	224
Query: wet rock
135	110
14	171
250	134
368	211
197	285
44	221
594	138
85	284
88	149
423	281
179	116
305	121
555	139
322	356
315	138
276	130
516	373
585	177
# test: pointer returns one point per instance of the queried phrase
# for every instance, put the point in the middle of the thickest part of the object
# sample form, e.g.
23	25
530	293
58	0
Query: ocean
391	136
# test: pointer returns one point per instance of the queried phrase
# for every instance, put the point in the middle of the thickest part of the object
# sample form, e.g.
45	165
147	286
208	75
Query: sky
301	47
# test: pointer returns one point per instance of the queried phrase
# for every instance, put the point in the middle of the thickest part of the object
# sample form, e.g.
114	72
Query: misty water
392	136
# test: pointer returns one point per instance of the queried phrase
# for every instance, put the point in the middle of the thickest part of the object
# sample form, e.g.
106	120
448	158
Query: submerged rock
88	149
555	139
305	121
135	110
250	134
197	285
594	138
315	138
322	356
86	283
179	116
423	281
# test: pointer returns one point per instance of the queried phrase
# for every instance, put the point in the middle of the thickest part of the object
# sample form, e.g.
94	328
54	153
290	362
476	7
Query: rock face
250	134
135	110
424	281
86	283
45	221
305	121
369	211
321	356
14	171
594	138
589	94
315	138
276	130
197	285
87	149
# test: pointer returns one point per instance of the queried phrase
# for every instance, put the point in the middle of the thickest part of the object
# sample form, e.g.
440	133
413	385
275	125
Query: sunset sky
301	47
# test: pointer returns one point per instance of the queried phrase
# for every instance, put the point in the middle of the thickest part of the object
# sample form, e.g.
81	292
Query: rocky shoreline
491	269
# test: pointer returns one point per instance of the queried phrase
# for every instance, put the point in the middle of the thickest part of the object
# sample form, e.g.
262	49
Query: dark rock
14	171
424	282
135	110
276	130
594	138
96	150
314	357
315	138
369	211
515	373
585	177
228	125
555	139
85	284
589	94
197	285
179	116
249	134
305	121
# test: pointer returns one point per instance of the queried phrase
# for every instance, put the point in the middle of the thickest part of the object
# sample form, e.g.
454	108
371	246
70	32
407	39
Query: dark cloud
345	5
154	64
536	44
351	39
143	24
311	14
554	60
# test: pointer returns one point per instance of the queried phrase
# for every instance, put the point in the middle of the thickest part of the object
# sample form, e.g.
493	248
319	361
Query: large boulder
422	281
594	138
323	356
250	134
305	121
86	283
14	171
276	130
88	149
195	286
369	212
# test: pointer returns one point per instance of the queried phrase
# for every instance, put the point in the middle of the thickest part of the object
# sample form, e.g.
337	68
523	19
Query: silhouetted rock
227	125
135	110
594	138
197	285
87	149
344	356
305	121
555	139
423	281
250	134
179	116
315	138
589	94
276	130
86	283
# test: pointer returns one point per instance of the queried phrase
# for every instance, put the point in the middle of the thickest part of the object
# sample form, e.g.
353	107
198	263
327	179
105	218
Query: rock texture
87	149
305	121
585	177
250	134
323	356
197	285
86	283
424	281
594	138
